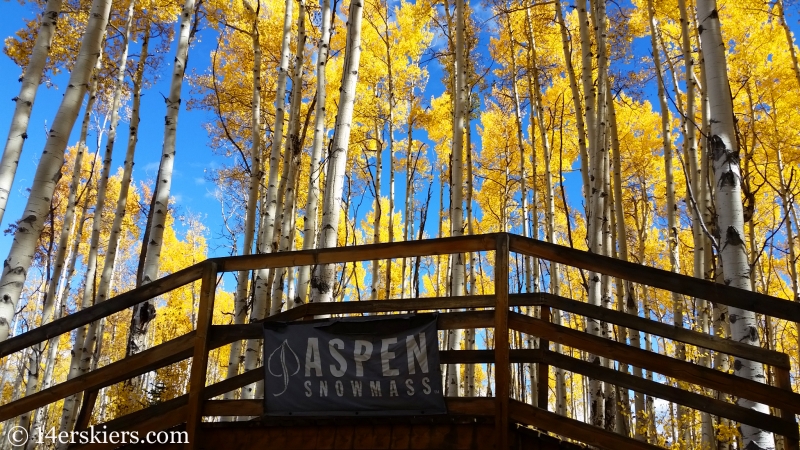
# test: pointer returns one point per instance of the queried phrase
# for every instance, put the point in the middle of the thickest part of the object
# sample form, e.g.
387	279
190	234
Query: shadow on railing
483	311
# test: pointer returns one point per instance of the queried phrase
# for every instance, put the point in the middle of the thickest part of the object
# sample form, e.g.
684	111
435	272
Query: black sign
382	365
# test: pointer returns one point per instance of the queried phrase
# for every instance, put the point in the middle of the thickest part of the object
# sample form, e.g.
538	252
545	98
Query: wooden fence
483	311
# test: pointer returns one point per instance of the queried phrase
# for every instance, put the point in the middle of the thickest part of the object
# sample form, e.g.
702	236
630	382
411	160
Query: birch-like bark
376	220
324	275
143	313
595	209
79	347
92	343
576	100
294	148
315	171
390	148
537	111
69	214
30	80
31	224
724	153
456	185
789	38
270	206
253	348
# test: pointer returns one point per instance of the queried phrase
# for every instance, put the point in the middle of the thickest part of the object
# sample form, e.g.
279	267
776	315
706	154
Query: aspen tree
291	162
31	78
256	175
94	336
143	313
456	184
315	170
724	153
50	304
595	197
30	226
781	13
576	100
376	222
270	203
67	222
324	275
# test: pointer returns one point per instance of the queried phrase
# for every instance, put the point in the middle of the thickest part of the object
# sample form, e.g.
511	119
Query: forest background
209	187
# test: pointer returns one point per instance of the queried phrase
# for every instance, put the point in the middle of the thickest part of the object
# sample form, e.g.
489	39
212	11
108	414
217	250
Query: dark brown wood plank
728	346
502	363
406	249
573	429
197	376
675	395
659	363
104	309
87	406
225	334
253	407
683	284
471	406
409	304
159	356
148	423
783	381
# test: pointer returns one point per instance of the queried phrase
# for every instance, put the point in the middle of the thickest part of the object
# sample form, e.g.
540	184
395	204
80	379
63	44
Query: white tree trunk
68	220
315	171
324	275
270	206
724	153
31	78
252	197
143	313
48	172
378	212
89	352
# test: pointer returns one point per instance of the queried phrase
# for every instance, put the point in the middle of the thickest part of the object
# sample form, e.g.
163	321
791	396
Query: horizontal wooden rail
104	309
664	365
665	392
573	429
462	406
369	252
225	334
703	340
159	356
658	278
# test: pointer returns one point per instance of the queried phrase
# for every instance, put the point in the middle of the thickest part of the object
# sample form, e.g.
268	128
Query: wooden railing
483	311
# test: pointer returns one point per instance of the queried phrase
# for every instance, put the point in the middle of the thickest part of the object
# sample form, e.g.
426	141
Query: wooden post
544	369
783	381
85	414
501	349
197	378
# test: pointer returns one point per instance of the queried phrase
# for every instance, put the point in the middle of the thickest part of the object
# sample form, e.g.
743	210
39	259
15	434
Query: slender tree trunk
724	151
324	275
67	225
576	100
315	171
143	313
31	78
252	351
294	148
377	211
270	206
94	337
30	226
789	39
